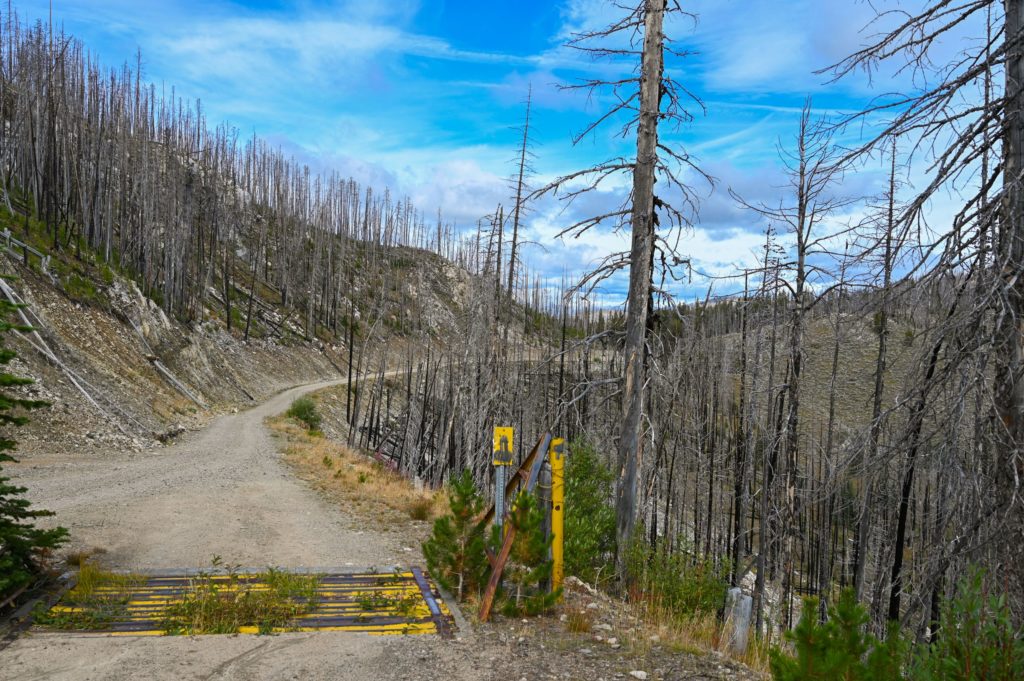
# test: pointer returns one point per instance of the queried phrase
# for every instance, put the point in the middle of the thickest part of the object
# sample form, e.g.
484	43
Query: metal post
499	495
502	459
544	503
556	458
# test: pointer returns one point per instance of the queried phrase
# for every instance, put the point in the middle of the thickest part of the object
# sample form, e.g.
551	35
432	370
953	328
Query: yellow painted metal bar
556	458
372	629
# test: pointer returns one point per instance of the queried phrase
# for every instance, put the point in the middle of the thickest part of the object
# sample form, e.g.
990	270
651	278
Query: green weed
100	597
226	603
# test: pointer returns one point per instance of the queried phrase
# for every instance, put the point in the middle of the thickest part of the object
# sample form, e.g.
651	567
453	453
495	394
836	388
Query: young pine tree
977	640
455	551
529	567
590	518
839	648
21	542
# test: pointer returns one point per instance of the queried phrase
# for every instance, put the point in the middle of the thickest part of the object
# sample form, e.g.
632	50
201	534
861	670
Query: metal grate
374	603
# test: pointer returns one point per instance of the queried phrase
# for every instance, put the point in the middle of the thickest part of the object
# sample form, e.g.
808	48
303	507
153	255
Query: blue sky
424	96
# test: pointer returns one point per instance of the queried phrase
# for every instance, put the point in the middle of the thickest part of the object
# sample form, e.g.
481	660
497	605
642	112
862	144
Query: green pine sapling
455	550
22	544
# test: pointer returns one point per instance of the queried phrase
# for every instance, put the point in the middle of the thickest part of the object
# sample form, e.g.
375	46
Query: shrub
22	544
589	514
838	648
455	550
976	638
677	583
304	410
81	288
106	274
976	642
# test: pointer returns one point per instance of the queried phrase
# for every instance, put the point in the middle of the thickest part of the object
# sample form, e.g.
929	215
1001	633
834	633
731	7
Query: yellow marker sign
556	458
503	446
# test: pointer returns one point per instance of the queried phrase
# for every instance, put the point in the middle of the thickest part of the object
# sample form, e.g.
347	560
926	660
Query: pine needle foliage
22	544
976	638
590	517
839	648
455	550
529	567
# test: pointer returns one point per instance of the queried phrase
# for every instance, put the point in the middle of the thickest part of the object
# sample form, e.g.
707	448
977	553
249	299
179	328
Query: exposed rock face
148	377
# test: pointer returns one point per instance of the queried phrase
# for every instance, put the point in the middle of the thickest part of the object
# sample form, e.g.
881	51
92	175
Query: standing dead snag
645	99
523	171
813	175
1009	340
641	258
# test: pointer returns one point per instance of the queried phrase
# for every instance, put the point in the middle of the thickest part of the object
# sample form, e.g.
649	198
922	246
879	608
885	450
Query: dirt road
222	491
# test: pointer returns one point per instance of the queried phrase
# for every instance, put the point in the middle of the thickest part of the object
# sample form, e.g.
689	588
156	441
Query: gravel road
221	491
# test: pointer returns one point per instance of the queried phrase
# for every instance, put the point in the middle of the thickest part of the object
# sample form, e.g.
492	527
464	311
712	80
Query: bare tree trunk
742	451
826	493
1009	345
524	151
863	521
641	252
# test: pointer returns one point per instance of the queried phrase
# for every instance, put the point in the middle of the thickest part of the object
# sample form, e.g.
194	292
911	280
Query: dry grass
578	622
357	479
694	635
78	558
171	408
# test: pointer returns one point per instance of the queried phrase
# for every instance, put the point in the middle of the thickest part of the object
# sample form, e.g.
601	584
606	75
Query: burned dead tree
645	102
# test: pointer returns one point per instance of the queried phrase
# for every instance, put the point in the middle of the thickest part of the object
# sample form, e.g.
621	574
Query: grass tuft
420	509
99	598
578	621
226	603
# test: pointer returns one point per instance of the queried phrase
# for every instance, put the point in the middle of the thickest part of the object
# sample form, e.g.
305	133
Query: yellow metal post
556	457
